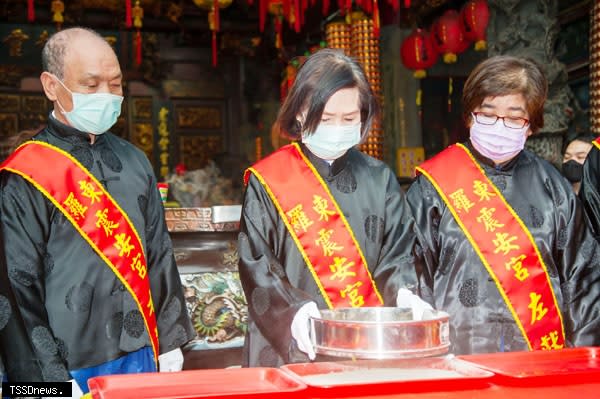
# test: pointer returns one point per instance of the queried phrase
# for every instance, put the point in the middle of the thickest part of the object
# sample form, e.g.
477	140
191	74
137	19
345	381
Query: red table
567	374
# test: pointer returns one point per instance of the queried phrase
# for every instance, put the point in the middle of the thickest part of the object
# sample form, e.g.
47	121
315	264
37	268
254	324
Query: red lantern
475	16
447	36
418	53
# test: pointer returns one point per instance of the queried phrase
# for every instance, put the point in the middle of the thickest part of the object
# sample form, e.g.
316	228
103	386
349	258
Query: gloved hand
300	328
406	299
76	392
170	361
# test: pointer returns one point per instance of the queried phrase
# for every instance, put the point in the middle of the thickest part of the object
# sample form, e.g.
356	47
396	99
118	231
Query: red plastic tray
258	382
555	367
463	376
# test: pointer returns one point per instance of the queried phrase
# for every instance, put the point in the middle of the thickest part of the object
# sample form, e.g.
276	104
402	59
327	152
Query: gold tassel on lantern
58	7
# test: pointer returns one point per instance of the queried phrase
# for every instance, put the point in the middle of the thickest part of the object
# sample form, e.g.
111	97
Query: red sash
93	213
597	142
503	243
318	227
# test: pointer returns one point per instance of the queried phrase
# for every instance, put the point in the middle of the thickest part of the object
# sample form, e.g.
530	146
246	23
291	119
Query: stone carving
530	29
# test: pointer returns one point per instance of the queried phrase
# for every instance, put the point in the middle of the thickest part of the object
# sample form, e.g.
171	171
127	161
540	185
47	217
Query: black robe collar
323	167
70	134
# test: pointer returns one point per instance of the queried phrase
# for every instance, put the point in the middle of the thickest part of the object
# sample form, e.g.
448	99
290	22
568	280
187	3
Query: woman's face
510	107
342	109
339	128
577	150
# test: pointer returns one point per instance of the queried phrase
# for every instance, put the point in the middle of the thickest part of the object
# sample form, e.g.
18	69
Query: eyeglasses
511	123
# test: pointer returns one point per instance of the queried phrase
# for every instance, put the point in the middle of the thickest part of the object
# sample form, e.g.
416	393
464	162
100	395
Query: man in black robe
64	314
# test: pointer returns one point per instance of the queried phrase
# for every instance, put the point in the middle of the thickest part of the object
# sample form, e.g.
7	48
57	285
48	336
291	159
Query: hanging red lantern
447	36
418	53
474	17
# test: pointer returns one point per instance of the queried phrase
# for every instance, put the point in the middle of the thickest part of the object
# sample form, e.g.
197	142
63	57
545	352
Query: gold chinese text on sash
318	227
94	214
503	243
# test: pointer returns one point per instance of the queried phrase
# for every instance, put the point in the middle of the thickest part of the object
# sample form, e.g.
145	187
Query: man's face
90	66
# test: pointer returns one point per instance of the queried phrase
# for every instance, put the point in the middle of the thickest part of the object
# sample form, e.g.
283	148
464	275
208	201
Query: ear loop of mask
62	109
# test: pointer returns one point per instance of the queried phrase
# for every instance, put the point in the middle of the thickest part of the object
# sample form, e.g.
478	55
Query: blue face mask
332	141
93	113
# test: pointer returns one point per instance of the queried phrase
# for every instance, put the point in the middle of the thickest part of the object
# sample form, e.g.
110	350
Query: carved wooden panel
22	111
9	102
8	124
201	127
199	117
142	108
196	151
142	137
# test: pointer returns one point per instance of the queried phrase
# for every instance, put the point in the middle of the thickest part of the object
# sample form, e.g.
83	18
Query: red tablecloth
567	374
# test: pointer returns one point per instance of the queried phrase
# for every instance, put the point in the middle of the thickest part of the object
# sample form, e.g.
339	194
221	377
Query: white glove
76	392
406	299
170	361
300	328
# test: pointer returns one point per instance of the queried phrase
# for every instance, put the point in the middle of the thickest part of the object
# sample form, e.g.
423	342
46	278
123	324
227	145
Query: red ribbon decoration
128	13
214	48
138	48
30	11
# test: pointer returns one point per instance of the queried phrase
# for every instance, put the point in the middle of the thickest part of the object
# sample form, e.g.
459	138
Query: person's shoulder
361	157
593	157
532	160
539	169
125	146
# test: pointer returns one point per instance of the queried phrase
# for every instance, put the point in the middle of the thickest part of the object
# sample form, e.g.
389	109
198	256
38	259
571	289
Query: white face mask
332	141
93	113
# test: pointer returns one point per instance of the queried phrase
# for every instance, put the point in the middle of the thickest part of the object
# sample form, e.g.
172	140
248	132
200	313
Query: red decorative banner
319	228
94	214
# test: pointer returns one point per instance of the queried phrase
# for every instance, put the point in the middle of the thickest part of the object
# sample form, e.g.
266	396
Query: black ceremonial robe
589	191
453	278
61	306
275	278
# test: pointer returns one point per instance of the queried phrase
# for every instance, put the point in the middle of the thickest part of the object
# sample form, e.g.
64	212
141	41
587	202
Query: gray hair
56	48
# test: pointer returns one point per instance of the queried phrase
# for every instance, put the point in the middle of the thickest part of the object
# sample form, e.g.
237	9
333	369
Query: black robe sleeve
173	321
262	274
29	349
590	190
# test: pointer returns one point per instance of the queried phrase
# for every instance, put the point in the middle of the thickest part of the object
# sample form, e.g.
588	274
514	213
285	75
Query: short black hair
323	74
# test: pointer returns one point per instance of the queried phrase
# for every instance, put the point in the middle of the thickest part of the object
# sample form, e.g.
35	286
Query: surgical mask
573	171
93	113
332	141
497	142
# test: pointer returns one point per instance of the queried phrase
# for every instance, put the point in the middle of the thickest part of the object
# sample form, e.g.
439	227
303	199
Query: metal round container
379	333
